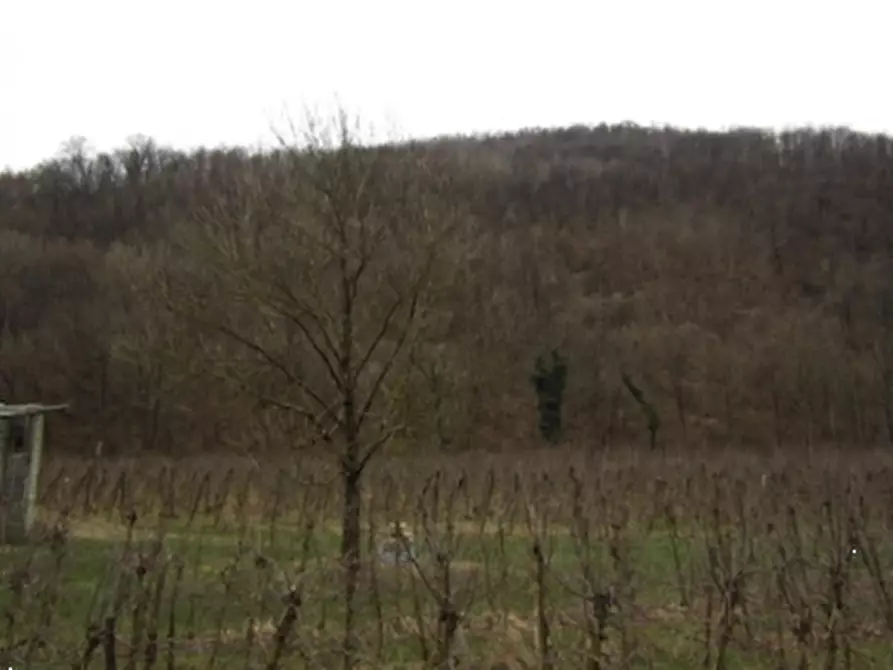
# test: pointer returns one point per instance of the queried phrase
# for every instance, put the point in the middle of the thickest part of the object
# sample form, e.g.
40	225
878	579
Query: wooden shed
21	447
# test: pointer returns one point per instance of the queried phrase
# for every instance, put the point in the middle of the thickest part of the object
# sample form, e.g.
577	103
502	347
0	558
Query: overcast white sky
190	72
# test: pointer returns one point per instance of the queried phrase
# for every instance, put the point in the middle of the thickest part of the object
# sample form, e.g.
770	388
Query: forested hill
743	279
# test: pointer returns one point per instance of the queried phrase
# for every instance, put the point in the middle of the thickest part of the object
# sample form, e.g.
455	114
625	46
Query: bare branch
324	433
379	336
325	351
386	368
277	364
378	444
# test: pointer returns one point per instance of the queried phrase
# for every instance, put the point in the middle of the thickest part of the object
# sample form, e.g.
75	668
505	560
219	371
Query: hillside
743	279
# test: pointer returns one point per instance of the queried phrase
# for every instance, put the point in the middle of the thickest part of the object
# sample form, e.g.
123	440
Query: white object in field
396	546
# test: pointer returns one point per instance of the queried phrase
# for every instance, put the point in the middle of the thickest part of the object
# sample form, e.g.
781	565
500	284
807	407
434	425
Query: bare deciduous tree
310	279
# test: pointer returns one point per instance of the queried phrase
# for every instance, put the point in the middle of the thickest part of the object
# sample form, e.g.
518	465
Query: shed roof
29	409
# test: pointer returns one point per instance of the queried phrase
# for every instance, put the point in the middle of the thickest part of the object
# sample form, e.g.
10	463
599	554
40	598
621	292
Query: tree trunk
776	413
680	409
350	544
351	463
729	411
